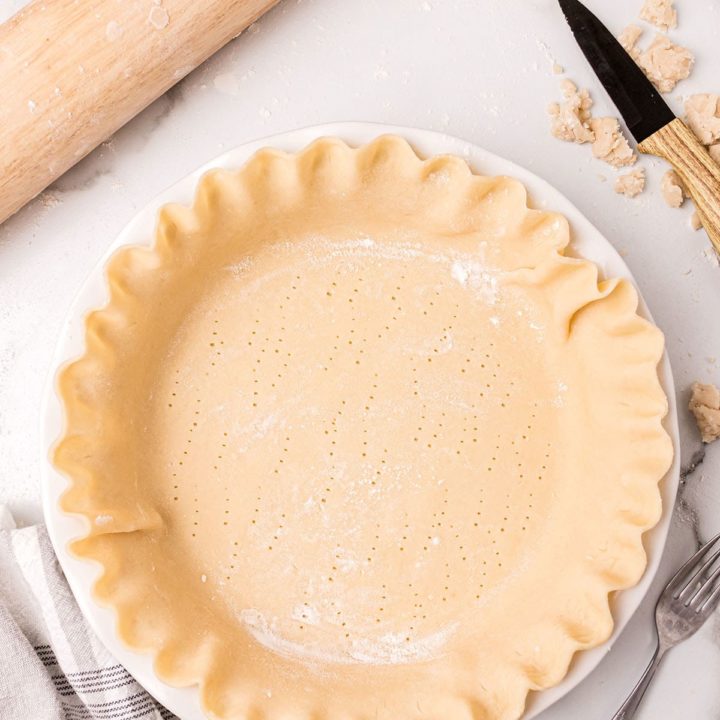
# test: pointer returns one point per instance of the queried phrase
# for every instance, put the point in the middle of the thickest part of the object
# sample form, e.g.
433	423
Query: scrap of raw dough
631	184
703	117
714	151
673	190
628	39
695	222
705	406
666	63
570	118
660	13
610	144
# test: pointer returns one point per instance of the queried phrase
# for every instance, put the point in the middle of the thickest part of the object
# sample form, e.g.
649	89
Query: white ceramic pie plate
587	242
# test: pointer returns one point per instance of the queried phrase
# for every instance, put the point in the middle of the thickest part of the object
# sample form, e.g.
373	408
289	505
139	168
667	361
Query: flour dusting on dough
393	648
386	649
472	274
306	613
240	267
246	436
459	273
468	270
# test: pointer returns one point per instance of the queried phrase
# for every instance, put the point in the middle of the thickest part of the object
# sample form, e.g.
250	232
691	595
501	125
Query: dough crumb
666	63
628	38
695	222
703	117
631	184
558	69
610	144
660	13
570	119
705	406
673	190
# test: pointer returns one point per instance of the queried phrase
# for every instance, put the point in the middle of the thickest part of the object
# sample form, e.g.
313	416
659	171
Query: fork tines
697	583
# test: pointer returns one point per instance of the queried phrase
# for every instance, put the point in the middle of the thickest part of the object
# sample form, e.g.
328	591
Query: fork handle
629	707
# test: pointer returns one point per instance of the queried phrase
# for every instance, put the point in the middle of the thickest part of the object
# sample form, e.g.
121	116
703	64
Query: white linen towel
52	666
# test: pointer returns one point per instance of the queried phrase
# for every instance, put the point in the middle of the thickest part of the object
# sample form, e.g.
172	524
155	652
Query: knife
647	116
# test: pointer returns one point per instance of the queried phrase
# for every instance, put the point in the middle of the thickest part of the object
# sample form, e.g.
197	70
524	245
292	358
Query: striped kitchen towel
52	667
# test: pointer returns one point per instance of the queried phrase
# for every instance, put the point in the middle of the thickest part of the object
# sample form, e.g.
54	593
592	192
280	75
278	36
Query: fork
686	603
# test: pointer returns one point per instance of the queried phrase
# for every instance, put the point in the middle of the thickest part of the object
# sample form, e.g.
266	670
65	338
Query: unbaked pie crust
355	439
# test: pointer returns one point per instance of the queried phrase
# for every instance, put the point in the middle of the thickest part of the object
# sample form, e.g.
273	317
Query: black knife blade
640	104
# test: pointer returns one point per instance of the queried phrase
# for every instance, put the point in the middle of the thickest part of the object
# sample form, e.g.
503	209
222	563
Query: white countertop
477	69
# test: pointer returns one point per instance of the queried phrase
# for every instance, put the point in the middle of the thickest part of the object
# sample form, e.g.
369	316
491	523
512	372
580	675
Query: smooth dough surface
355	439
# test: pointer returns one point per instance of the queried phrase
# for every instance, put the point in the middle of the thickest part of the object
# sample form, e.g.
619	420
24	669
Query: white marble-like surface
478	69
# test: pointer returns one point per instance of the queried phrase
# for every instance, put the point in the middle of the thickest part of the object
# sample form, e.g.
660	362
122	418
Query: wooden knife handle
74	72
701	174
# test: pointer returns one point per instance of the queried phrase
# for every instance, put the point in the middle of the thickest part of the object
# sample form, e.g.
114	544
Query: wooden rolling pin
74	71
